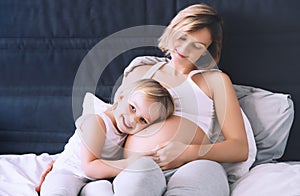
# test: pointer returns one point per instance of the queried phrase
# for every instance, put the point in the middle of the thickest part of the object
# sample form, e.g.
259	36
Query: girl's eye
132	108
143	121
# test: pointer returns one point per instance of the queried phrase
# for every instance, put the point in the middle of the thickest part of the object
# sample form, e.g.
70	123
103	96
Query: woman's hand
170	155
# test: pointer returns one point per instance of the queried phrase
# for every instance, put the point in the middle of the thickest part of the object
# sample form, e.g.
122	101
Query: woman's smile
180	55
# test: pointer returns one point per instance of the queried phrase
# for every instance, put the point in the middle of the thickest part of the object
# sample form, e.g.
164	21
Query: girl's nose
133	119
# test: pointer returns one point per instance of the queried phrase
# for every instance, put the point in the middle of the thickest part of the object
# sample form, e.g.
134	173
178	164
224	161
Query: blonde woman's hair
191	19
156	92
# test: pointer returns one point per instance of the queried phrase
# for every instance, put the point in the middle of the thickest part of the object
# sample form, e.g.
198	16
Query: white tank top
190	101
70	158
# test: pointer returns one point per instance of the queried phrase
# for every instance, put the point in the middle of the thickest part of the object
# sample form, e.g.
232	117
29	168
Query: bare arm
235	146
93	166
136	74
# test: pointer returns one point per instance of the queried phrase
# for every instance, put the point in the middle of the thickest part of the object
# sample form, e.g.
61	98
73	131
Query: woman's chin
182	61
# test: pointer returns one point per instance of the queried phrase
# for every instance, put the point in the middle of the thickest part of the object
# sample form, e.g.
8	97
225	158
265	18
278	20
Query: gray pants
144	177
62	183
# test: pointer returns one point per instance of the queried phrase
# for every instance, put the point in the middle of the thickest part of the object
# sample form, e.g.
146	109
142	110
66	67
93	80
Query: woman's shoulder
212	80
214	74
143	63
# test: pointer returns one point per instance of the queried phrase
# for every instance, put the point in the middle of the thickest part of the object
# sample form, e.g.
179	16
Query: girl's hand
44	174
170	155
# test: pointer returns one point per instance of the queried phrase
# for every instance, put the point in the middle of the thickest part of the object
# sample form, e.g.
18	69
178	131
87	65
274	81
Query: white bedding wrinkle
19	174
276	179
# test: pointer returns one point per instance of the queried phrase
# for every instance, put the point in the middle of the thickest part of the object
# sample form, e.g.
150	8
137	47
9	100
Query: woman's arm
135	74
235	146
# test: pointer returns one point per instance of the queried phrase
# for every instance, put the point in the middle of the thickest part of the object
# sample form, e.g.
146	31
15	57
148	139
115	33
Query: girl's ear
119	94
116	101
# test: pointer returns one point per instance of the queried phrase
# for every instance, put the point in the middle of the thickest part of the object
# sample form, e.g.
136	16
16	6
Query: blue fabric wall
42	44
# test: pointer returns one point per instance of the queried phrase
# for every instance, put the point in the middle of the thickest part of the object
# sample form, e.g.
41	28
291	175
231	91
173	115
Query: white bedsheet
19	175
274	179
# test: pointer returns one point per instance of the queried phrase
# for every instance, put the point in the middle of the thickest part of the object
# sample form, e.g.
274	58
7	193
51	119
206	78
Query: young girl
94	151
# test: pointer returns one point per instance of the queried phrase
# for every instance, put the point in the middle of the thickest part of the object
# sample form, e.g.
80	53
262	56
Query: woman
188	147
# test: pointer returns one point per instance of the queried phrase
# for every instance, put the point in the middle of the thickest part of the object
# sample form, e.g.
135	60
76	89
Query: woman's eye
182	38
198	46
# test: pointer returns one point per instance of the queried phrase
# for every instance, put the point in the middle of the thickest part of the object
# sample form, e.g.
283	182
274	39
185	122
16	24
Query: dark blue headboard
42	44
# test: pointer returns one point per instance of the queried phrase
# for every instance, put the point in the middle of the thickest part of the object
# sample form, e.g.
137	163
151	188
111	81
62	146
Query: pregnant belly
174	128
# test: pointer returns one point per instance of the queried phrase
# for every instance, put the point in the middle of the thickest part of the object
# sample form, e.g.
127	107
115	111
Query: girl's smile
135	112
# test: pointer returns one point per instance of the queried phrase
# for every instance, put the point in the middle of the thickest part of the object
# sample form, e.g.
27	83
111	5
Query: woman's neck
179	69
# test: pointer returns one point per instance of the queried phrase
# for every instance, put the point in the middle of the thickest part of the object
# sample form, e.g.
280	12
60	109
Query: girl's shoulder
143	63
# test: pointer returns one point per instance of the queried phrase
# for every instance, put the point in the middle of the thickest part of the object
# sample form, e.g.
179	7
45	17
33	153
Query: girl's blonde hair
156	92
191	19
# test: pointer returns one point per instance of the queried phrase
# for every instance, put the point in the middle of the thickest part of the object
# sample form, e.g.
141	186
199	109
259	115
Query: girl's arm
235	146
93	134
93	166
100	168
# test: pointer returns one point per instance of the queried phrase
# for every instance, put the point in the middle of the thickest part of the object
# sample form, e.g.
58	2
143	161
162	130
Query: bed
44	43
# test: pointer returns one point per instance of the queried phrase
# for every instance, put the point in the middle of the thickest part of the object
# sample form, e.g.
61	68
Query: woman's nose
184	48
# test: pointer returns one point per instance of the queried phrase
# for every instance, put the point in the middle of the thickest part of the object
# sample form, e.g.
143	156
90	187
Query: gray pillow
271	116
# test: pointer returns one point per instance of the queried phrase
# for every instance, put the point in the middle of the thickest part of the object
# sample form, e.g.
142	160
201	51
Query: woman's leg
201	177
61	183
143	177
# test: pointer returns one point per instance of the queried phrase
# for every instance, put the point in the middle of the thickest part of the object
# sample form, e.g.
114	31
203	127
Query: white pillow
237	170
93	105
271	116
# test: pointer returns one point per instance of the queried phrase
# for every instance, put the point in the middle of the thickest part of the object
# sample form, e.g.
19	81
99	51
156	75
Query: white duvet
270	179
19	174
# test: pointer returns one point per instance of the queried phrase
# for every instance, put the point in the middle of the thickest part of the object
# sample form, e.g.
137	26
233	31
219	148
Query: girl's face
135	112
189	47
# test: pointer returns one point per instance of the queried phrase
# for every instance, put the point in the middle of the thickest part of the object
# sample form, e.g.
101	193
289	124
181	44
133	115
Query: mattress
19	175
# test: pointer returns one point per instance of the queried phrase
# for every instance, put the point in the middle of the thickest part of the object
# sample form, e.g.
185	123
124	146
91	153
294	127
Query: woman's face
189	47
135	112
